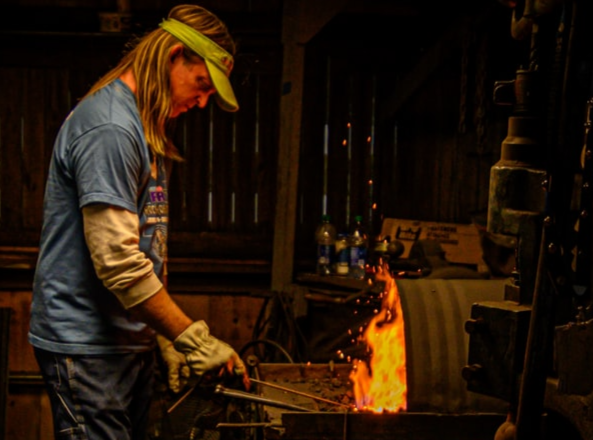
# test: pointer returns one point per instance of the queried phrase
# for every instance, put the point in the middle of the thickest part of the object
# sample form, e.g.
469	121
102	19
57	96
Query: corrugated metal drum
435	311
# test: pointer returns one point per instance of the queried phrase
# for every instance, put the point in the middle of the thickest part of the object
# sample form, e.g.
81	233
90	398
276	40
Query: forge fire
379	384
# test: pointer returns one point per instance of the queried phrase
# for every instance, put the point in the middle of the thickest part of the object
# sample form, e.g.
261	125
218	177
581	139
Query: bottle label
358	256
342	255
325	253
342	268
342	259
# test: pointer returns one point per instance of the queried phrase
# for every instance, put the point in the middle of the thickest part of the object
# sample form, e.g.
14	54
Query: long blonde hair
148	60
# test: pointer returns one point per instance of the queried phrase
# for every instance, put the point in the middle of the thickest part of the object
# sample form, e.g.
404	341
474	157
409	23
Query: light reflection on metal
257	114
349	137
326	138
256	146
185	176
210	163
371	141
255	208
1	168
210	202
233	207
235	162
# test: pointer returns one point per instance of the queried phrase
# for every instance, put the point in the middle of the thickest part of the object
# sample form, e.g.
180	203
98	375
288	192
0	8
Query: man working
99	294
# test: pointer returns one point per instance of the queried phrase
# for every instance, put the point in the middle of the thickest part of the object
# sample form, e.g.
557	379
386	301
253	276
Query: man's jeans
99	397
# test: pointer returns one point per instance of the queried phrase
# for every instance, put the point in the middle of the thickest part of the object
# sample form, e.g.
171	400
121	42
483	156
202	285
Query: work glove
204	352
178	371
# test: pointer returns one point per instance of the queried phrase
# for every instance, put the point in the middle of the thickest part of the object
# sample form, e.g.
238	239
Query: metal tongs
300	393
263	400
258	399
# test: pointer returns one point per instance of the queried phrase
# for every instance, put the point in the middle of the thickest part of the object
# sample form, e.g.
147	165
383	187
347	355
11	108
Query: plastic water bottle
325	236
358	245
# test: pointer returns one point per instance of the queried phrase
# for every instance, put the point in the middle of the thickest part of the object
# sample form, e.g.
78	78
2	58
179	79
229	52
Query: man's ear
175	52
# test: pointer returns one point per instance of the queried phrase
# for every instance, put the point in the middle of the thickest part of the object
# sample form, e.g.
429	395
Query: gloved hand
178	371
204	352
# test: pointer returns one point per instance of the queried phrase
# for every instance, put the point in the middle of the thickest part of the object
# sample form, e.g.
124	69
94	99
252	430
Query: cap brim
225	97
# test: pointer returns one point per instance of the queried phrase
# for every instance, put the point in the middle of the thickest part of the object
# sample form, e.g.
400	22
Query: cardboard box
461	242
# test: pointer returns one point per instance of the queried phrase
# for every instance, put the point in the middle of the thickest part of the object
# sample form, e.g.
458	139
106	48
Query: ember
383	387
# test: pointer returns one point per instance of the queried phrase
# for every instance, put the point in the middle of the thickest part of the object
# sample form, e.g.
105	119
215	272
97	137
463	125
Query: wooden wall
28	413
226	183
397	122
222	194
398	118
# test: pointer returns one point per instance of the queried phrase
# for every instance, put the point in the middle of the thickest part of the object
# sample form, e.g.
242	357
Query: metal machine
534	349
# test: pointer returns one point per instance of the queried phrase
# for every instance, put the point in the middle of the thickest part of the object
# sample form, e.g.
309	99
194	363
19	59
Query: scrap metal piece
497	337
574	359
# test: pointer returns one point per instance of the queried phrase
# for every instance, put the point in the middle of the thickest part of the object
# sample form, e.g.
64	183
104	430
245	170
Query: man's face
190	85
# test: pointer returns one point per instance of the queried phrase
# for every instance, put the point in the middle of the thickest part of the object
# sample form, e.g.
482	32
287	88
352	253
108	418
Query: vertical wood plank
246	134
231	318
24	416
58	105
310	185
288	157
34	147
5	314
21	357
301	21
46	424
223	157
268	134
10	155
193	171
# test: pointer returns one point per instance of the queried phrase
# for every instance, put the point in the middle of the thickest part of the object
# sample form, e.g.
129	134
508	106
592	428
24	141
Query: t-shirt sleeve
108	166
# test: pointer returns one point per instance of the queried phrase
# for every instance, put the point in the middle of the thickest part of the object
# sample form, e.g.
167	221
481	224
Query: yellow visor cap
218	61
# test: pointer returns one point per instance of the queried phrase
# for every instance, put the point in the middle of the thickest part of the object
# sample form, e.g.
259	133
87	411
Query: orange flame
383	387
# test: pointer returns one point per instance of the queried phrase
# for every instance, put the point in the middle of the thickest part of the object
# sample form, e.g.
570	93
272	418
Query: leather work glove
178	371
204	352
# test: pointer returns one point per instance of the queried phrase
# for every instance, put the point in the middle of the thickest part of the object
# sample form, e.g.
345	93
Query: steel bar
181	399
245	425
259	399
300	393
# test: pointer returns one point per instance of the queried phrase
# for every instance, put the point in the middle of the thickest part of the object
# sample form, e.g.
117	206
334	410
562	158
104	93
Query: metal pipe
539	346
522	27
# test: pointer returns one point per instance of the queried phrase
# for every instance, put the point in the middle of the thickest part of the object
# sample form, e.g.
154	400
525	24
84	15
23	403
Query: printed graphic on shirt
154	221
157	209
159	241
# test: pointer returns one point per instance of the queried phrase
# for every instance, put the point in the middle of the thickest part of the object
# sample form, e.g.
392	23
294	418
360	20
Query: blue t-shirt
100	156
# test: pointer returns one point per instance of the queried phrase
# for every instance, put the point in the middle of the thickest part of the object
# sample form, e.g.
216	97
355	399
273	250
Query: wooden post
302	19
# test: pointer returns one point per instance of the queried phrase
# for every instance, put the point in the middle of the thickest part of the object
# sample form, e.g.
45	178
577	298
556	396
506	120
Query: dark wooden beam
302	19
432	59
449	42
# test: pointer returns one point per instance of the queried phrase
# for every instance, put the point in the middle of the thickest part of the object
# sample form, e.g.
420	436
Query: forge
293	401
320	419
